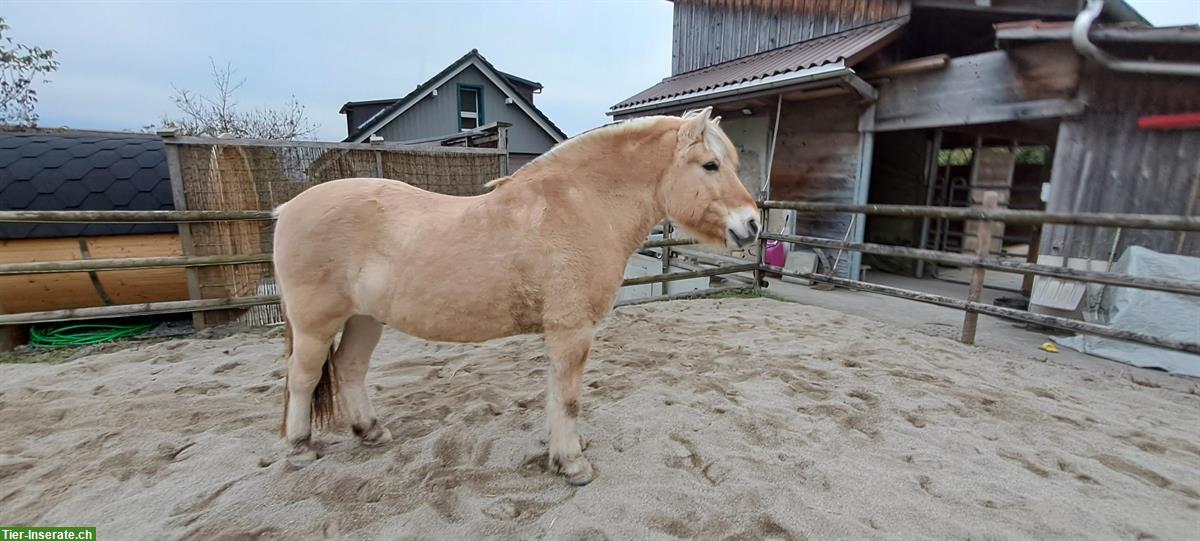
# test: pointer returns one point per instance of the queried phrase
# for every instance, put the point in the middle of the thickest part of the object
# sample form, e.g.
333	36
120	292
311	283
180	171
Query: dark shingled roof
77	170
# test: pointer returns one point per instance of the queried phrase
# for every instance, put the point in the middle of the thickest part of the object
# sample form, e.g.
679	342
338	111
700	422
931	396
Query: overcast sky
120	59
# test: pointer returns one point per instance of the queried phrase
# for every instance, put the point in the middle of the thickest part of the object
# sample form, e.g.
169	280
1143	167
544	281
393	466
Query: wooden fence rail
142	309
156	308
1136	221
725	265
672	276
1006	313
133	216
172	307
134	263
981	262
695	294
1108	278
668	242
93	265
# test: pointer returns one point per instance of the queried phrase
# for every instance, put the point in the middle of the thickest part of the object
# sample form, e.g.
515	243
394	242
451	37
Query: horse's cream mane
714	138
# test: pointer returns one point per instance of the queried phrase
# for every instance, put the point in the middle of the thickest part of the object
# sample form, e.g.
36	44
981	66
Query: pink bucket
775	255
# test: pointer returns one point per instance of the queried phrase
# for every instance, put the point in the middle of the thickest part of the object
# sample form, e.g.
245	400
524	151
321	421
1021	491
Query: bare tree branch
218	114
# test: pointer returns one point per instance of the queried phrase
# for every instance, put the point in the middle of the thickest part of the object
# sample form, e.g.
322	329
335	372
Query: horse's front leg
568	352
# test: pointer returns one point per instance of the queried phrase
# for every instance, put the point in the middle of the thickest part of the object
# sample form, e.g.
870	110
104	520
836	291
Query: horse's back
347	193
384	248
329	234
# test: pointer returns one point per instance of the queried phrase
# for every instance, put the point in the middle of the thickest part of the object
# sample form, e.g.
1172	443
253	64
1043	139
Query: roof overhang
350	104
822	59
516	78
828	73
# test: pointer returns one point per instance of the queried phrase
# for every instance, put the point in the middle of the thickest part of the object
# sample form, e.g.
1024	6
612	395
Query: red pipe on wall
1181	121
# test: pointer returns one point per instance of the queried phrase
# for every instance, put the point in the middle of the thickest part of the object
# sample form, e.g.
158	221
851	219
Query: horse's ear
694	124
716	121
705	112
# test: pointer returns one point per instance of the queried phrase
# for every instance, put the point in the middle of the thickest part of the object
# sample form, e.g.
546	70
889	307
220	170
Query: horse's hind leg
305	370
353	356
568	352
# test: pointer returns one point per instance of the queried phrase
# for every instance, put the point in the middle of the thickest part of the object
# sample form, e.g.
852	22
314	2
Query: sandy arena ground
737	418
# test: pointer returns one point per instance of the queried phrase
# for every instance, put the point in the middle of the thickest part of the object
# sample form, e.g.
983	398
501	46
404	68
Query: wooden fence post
759	275
983	246
502	145
666	254
187	244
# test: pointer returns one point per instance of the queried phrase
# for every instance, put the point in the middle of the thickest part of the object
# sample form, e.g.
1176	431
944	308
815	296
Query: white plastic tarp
1158	313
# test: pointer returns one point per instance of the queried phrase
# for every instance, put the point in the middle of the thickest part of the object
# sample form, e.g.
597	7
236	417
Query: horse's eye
710	166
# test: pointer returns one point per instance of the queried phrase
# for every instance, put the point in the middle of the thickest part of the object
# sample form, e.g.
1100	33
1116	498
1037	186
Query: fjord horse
547	253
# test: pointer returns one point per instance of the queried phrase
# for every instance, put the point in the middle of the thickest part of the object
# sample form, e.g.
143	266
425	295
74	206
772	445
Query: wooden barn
933	102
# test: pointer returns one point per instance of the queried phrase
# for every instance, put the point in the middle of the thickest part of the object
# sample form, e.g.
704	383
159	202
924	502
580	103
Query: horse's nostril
753	225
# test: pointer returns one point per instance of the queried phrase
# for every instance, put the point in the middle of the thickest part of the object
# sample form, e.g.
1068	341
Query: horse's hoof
578	471
378	435
301	458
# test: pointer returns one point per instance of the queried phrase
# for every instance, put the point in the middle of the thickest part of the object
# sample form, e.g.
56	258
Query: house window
470	107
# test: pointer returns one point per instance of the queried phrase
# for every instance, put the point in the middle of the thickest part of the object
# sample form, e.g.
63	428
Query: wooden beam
860	86
909	67
804	95
1008	112
997	86
1023	132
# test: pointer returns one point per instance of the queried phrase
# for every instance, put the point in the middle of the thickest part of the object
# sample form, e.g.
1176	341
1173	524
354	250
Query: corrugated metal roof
846	47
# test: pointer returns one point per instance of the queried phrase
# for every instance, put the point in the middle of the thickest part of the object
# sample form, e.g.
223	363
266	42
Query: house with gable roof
467	94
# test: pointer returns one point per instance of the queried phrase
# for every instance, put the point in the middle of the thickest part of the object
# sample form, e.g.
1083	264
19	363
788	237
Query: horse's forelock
719	143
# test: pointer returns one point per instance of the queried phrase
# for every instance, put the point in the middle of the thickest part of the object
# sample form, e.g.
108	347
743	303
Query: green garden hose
83	334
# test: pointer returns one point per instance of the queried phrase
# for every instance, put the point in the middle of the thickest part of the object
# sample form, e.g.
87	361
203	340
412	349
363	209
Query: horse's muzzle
742	232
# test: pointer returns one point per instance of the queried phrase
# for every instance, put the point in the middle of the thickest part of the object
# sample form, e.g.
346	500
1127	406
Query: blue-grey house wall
438	115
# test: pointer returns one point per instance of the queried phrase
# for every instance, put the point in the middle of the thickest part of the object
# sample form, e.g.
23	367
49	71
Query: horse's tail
324	403
324	406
